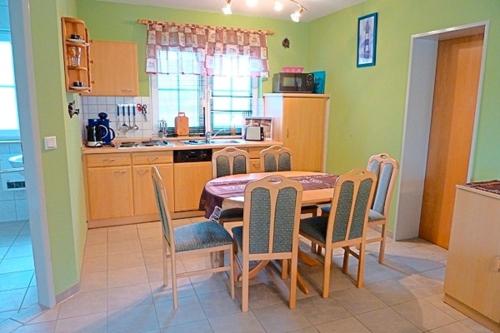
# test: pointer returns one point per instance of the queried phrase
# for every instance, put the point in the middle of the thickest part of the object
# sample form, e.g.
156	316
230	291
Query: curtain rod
148	22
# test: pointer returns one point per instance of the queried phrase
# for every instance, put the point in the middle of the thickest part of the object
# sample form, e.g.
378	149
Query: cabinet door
144	196
304	131
110	192
255	165
189	181
114	69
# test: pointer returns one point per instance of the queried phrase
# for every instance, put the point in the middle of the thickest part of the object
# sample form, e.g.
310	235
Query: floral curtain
194	49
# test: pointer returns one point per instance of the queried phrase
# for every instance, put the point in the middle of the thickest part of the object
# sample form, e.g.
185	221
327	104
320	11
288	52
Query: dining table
228	192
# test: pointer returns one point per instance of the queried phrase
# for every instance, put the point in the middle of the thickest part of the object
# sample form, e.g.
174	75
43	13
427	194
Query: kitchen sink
213	142
225	141
195	142
152	143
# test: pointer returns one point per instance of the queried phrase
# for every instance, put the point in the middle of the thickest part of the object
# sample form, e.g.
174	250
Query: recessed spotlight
296	15
278	5
227	8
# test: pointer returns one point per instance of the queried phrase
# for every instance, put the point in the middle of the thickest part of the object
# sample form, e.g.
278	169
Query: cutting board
181	124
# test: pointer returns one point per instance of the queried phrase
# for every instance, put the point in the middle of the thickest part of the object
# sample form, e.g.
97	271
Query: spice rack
76	48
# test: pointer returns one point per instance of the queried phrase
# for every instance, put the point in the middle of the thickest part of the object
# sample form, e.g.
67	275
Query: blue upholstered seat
372	215
201	235
231	214
238	236
315	227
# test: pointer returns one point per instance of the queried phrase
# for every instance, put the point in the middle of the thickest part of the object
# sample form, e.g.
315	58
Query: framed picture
367	40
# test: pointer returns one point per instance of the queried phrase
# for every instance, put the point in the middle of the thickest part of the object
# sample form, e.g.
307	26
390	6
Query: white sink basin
16	161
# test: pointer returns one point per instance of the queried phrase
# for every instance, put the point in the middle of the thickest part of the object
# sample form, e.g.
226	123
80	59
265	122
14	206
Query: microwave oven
293	83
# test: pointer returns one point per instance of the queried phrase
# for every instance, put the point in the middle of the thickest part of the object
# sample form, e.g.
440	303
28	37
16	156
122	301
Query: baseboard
471	313
68	293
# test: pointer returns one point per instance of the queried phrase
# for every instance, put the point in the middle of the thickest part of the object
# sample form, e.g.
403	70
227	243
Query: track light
252	3
296	15
227	8
278	5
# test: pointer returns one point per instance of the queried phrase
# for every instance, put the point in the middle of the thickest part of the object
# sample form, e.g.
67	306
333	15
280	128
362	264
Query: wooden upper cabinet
114	69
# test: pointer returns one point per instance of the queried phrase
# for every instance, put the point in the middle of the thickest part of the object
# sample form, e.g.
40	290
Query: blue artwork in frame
367	40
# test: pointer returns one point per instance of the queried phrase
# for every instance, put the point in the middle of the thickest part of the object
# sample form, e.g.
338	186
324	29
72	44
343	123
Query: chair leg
284	269
345	266
245	285
326	272
381	252
361	266
231	272
174	282
293	283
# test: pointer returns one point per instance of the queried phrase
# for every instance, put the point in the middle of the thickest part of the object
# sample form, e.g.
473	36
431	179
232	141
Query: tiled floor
17	280
122	292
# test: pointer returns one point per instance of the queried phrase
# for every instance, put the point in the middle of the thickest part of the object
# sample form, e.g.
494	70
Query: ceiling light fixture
252	3
278	7
227	8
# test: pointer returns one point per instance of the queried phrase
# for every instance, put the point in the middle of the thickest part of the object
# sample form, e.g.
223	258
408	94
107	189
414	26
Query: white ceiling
315	8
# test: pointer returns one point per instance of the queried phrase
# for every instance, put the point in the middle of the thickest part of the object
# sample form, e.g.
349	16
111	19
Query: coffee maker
98	131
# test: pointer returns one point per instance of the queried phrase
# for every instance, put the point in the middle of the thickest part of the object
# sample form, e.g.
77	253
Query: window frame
10	134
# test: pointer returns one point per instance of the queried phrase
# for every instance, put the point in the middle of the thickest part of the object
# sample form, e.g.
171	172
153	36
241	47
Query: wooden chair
198	238
230	161
386	169
270	228
226	162
276	158
346	226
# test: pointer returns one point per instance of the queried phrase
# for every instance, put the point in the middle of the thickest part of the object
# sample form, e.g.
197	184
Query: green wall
112	21
61	167
368	104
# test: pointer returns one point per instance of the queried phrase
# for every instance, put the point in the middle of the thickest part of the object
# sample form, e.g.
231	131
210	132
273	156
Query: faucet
209	135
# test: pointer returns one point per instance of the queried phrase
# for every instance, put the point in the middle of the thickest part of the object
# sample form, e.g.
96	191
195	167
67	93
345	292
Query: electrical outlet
50	142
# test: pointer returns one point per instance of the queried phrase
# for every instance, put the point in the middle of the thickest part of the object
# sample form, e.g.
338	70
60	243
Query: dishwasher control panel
194	155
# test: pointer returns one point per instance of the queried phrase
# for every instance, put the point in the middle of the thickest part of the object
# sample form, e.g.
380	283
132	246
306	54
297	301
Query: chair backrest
276	158
386	169
230	161
161	202
271	217
350	203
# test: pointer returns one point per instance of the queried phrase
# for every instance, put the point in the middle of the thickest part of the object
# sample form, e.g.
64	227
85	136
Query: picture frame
366	54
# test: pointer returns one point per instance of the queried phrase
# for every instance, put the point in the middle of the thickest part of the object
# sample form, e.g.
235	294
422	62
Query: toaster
254	133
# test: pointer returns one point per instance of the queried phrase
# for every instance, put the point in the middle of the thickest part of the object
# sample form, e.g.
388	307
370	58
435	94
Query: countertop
176	144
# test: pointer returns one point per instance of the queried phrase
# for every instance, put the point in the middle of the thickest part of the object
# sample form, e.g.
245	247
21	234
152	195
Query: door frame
30	139
417	122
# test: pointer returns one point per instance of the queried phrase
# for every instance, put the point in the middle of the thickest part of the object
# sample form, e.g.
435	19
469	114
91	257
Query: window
219	103
9	126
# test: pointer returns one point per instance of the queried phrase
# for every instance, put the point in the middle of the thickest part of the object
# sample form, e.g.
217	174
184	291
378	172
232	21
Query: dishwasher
192	170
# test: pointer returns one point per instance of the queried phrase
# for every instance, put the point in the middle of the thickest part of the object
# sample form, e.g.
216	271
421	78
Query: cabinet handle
127	90
119	172
152	159
142	172
108	160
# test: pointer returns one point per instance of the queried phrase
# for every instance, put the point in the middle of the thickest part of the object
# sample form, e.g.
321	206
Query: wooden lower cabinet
255	165
189	181
110	192
144	197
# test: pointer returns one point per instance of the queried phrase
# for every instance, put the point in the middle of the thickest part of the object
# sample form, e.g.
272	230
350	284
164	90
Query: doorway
440	128
452	124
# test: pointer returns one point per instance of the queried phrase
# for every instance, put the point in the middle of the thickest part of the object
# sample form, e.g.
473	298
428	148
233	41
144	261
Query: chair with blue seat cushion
346	225
197	238
276	158
386	169
270	228
226	162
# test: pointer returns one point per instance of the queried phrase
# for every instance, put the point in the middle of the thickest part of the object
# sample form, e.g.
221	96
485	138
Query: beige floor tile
151	243
423	314
47	327
96	250
141	318
357	301
189	311
121	261
122	235
11	300
95	323
15	280
31	297
17	265
127	277
391	292
9	325
25	250
320	310
46	315
386	321
83	303
94	281
202	326
237	323
124	247
453	328
437	301
262	295
95	264
129	296
279	318
219	303
208	283
162	293
97	236
474	326
348	325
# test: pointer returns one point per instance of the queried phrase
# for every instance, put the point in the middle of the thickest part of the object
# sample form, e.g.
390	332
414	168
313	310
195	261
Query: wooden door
454	106
114	69
189	181
144	196
110	192
304	131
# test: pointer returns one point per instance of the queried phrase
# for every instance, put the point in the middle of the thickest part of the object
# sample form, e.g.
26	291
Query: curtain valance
204	49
